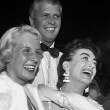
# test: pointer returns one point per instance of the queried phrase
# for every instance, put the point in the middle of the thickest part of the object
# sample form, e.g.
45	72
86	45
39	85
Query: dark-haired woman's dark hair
69	52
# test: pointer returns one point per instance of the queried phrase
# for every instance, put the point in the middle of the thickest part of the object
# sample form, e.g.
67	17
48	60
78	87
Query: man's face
83	66
48	20
26	58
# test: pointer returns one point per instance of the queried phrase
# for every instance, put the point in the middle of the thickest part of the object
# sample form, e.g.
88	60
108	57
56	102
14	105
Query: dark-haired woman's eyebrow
85	54
88	55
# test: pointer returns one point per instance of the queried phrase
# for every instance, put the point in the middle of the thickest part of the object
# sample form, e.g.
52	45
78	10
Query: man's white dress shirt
47	70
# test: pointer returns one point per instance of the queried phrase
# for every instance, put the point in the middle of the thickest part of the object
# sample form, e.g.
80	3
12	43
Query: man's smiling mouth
50	28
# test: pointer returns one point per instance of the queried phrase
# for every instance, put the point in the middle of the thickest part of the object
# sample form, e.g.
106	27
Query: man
45	15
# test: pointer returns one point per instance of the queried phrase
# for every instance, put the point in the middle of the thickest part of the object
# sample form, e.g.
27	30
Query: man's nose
52	20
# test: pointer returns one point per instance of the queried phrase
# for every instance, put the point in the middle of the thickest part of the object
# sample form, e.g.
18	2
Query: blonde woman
20	56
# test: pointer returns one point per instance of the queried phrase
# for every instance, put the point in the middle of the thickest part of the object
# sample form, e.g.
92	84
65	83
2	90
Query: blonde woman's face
26	58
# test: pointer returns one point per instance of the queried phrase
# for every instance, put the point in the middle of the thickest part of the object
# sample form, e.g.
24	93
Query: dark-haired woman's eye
85	58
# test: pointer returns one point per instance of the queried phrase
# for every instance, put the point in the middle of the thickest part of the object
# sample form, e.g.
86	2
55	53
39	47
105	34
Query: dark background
80	19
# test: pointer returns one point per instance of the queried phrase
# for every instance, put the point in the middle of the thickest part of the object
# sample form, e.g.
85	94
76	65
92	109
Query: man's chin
48	40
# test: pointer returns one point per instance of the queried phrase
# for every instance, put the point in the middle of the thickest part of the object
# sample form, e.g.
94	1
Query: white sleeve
5	97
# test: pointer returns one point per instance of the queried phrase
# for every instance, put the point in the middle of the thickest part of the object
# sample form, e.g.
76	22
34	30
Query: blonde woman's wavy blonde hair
9	41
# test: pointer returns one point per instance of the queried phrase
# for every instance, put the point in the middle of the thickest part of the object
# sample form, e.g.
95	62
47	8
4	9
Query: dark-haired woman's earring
66	76
87	90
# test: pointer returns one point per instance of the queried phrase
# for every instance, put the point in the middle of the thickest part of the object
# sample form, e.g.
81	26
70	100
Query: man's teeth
50	29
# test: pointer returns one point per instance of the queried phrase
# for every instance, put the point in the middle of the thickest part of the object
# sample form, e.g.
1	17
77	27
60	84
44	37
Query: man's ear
31	21
65	65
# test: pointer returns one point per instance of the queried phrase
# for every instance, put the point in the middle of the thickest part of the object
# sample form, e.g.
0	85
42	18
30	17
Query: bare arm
70	101
56	96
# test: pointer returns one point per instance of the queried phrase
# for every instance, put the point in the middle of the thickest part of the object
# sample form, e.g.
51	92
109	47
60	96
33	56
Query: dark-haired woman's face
83	66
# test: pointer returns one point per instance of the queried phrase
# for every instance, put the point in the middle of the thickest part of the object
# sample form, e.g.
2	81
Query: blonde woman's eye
26	51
